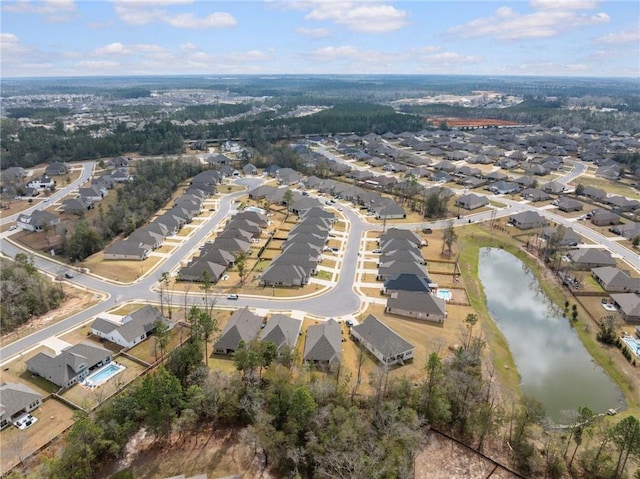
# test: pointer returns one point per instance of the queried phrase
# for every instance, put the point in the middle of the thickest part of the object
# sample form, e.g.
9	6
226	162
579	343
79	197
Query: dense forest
298	424
24	292
154	183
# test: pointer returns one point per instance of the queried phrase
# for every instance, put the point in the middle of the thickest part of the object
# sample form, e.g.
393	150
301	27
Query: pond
554	366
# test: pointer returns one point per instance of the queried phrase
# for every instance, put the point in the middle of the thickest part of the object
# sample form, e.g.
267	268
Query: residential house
56	169
77	206
594	193
197	268
568	205
389	211
42	183
392	268
397	234
588	258
472	201
37	221
615	280
323	344
527	220
13	173
281	330
566	237
282	273
249	170
504	187
602	217
127	250
243	326
554	187
385	344
535	195
16	399
620	203
417	305
629	230
93	192
628	305
120	176
133	329
72	365
146	237
407	282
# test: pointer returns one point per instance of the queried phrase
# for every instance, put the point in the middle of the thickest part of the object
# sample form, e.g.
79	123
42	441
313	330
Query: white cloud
188	47
54	10
360	17
11	47
214	20
626	36
313	32
118	48
449	58
549	19
143	12
338	53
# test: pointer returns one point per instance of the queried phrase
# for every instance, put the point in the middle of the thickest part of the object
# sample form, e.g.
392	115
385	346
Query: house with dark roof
407	282
602	217
243	326
504	187
389	211
72	365
554	187
37	221
281	330
412	304
534	195
566	204
56	169
472	201
589	258
147	238
279	273
594	193
77	206
566	236
249	169
628	230
399	234
16	399
620	203
127	250
323	343
133	329
615	280
198	267
384	343
527	220
628	305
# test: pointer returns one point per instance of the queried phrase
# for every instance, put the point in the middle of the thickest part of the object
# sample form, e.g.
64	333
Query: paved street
341	300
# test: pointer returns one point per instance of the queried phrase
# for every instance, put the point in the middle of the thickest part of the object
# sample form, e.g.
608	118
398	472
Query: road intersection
342	300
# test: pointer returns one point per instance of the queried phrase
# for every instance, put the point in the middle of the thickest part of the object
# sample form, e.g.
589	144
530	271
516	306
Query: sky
191	37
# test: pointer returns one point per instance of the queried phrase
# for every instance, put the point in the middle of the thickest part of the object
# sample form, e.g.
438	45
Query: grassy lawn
16	372
165	249
339	226
119	270
148	351
53	418
612	187
324	275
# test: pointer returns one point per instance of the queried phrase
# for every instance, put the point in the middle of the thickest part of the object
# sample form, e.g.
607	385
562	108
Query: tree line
324	426
24	292
153	184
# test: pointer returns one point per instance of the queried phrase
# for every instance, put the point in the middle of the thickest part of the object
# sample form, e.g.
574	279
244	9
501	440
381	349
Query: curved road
340	300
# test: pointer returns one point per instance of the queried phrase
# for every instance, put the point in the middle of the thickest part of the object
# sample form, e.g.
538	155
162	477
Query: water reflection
554	366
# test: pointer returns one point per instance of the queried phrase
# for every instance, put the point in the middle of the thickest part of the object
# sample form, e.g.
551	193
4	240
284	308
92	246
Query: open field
53	418
119	270
611	187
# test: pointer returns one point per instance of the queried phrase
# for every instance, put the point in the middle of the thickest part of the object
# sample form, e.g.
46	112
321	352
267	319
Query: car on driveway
377	251
13	227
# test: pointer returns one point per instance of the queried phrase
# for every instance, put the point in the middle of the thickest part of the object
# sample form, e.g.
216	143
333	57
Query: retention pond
553	364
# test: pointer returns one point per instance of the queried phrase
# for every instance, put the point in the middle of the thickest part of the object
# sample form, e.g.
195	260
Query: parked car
377	251
232	296
68	274
427	231
13	227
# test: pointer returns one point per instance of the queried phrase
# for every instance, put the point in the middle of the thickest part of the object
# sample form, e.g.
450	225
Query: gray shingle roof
14	397
324	342
243	325
281	330
383	338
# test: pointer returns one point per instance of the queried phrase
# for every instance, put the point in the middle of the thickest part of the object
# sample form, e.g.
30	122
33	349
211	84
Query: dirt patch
214	453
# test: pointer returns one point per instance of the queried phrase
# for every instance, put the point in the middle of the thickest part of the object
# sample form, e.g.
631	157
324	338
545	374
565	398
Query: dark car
427	231
68	274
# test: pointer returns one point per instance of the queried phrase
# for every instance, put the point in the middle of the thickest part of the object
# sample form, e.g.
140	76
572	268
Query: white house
133	329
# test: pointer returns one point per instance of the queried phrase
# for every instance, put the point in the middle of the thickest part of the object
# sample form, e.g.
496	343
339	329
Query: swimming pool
103	374
633	343
444	294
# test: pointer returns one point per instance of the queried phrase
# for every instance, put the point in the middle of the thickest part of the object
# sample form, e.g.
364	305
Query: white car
13	227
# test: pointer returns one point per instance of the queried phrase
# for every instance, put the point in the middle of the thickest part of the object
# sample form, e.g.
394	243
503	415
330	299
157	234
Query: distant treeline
46	114
540	112
38	145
